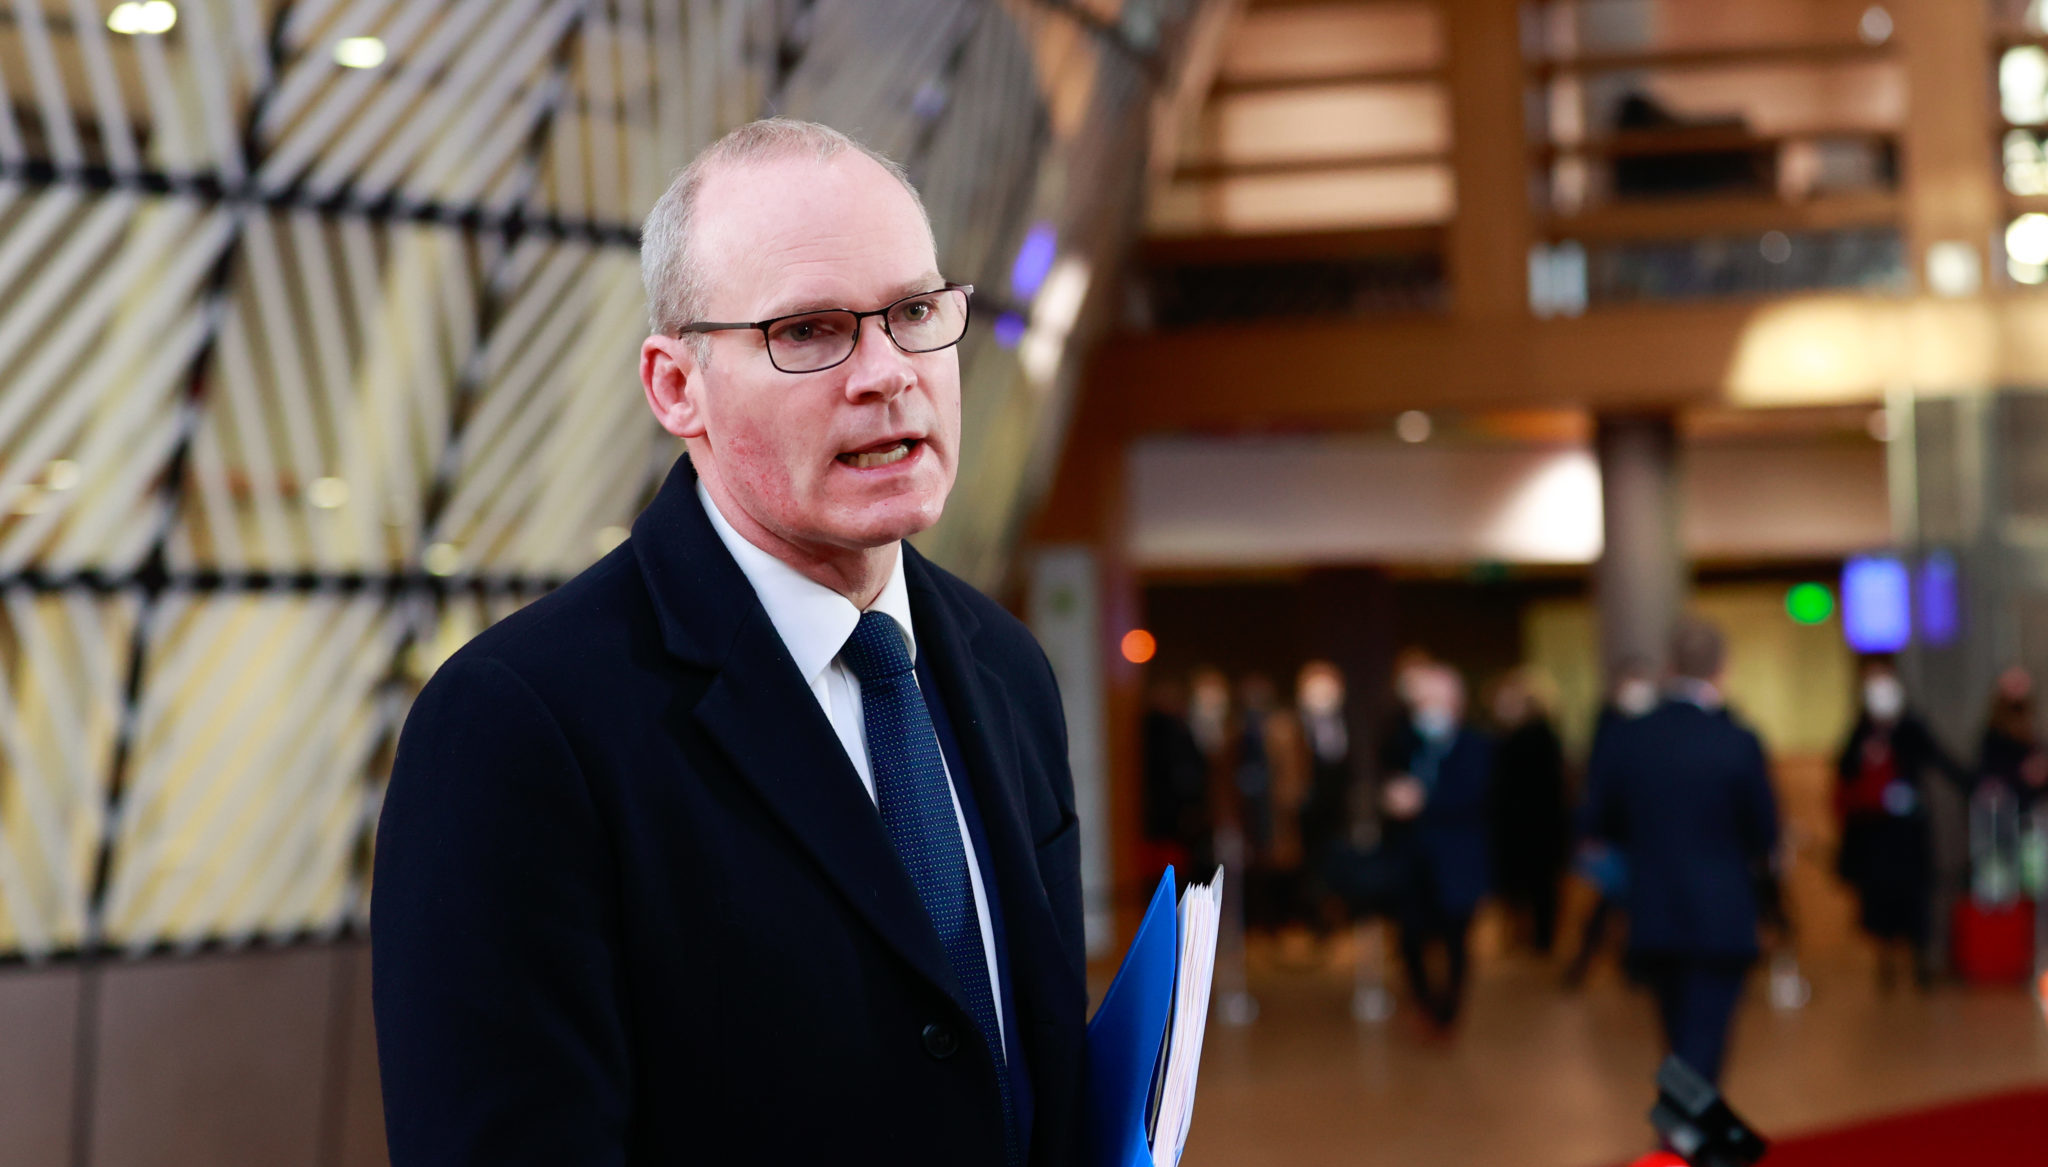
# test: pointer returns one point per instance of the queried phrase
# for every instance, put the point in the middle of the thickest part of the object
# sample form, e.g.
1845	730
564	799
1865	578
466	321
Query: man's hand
1402	797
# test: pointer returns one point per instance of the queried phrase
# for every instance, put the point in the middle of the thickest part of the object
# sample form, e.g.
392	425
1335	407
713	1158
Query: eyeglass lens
819	340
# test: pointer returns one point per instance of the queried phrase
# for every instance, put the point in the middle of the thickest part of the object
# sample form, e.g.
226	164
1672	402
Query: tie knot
875	651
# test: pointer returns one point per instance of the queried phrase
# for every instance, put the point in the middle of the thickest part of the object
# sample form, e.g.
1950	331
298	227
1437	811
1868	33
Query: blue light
1941	615
1034	260
1009	329
1877	605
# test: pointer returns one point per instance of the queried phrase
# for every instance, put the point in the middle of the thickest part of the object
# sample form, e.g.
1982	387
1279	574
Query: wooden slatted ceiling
1325	116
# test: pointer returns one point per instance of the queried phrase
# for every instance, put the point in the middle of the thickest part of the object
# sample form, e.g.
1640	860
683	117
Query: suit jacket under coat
1448	841
633	905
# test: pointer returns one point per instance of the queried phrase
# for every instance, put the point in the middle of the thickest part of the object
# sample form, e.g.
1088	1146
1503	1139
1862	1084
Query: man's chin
879	524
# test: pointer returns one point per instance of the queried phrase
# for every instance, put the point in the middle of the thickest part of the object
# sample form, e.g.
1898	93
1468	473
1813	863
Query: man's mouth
880	455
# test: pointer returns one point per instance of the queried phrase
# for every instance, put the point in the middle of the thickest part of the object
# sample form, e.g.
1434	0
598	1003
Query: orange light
1139	646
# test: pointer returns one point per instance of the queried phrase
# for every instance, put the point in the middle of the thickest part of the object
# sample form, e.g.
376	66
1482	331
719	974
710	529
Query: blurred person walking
1993	938
1325	809
1209	712
1634	695
1434	802
1887	850
1252	764
1176	790
1530	829
1684	794
2010	754
1270	784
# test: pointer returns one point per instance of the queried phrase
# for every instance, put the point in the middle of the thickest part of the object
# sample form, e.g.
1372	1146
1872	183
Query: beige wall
1795	685
1265	501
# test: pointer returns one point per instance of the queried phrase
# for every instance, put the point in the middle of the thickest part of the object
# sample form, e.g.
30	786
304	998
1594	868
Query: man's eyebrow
928	282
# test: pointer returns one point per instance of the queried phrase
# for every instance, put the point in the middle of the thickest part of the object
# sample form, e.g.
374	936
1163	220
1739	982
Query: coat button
940	1042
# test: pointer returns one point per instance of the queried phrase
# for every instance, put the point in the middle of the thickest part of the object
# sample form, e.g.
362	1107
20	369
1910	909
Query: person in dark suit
1531	830
1633	695
1176	790
1324	818
1684	794
755	842
2011	755
1883	776
1435	804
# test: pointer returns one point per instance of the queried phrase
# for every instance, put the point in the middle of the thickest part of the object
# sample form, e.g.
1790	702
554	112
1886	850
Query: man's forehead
782	232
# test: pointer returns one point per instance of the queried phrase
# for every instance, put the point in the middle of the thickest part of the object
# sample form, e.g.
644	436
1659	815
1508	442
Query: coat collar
701	597
813	620
764	718
980	703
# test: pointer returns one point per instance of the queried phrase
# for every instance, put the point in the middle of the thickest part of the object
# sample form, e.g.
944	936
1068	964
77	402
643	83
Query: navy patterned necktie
917	811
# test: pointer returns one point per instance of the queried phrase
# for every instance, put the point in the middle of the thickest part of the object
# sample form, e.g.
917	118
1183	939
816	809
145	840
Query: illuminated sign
1877	606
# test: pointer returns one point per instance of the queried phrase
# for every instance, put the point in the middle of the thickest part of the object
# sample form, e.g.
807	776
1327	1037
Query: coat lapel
767	722
979	702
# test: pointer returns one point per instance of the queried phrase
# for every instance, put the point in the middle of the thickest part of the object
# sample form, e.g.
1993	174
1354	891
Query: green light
1809	603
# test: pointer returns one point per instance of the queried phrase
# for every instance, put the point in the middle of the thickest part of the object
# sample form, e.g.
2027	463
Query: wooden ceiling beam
1351	374
1702	217
1287	83
1732	56
1200	250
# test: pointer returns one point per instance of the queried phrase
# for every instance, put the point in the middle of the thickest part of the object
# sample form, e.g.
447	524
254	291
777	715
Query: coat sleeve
1850	758
1758	801
494	931
1600	817
1059	856
1930	754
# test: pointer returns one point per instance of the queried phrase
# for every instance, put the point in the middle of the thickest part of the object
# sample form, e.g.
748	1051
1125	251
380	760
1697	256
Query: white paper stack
1201	906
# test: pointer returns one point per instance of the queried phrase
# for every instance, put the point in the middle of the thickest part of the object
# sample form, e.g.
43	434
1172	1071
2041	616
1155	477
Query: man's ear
673	380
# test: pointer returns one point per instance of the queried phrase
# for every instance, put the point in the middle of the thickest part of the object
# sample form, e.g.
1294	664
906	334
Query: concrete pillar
1640	582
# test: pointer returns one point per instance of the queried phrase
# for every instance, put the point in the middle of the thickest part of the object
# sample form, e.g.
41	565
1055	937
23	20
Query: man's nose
877	369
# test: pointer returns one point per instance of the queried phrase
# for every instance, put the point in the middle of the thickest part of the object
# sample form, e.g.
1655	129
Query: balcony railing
1684	149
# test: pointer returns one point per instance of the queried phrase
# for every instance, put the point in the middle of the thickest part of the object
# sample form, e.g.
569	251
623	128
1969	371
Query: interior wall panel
38	1057
175	1087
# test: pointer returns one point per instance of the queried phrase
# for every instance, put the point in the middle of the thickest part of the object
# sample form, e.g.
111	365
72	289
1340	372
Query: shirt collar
813	620
1696	692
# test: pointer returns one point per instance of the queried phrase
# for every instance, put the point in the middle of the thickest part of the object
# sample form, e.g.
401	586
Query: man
1531	830
1633	694
1434	801
754	843
1684	795
1176	789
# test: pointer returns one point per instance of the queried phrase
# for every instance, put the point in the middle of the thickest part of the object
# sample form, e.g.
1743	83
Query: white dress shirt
814	622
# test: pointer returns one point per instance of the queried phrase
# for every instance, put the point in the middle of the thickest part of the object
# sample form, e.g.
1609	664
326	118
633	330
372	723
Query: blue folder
1127	1036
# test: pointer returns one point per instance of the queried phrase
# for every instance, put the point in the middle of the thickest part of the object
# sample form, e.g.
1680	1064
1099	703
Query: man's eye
919	312
806	330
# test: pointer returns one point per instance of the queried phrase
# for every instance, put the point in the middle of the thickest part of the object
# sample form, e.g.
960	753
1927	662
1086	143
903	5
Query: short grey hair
1697	650
677	285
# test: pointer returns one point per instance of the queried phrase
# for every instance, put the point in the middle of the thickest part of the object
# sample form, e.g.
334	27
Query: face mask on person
1434	723
1636	696
1322	696
1883	697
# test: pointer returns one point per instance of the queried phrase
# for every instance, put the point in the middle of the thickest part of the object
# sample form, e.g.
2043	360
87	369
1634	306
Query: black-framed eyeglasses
811	342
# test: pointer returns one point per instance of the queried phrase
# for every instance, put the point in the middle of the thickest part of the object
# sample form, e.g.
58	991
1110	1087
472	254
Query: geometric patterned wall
309	372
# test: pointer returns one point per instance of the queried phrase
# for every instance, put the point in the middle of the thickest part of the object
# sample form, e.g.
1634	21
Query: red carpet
2000	1130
